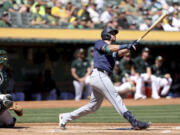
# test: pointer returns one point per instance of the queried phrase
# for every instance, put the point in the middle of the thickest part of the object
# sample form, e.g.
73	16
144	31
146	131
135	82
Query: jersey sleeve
99	44
73	65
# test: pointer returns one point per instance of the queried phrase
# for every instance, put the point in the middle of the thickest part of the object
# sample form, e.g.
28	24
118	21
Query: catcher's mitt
17	109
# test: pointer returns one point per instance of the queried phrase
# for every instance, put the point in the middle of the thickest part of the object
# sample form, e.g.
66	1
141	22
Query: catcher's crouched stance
6	103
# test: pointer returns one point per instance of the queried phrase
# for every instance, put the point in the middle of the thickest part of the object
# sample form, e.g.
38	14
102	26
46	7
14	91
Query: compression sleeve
125	46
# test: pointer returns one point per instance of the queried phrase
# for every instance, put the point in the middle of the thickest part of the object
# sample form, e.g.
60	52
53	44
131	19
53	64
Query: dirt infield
91	128
72	103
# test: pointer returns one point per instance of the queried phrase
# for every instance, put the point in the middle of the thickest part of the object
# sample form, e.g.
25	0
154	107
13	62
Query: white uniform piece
165	84
123	88
102	87
79	87
141	85
139	91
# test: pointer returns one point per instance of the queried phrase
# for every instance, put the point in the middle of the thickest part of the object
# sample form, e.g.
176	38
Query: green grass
155	114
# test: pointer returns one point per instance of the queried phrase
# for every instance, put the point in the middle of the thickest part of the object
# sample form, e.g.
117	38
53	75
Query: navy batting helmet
107	32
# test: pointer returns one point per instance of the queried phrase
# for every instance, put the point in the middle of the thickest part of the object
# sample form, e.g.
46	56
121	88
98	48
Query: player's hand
82	80
167	76
133	45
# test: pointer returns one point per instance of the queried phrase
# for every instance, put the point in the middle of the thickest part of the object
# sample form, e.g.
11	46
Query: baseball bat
153	25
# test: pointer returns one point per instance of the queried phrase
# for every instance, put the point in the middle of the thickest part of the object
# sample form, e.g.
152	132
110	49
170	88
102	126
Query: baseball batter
105	53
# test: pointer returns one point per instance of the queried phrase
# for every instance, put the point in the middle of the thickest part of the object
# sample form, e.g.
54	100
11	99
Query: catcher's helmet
107	32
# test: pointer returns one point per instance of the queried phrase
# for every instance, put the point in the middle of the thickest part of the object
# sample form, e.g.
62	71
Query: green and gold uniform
125	66
81	67
141	65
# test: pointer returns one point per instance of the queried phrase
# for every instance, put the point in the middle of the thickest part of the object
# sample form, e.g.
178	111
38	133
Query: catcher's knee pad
5	103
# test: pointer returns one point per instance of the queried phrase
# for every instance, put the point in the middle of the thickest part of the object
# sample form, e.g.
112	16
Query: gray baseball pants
102	87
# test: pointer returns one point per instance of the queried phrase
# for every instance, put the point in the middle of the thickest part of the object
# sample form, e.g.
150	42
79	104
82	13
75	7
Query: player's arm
133	72
73	73
121	49
88	72
148	70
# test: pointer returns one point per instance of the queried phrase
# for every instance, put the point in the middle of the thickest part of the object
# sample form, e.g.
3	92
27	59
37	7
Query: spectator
145	26
164	4
4	20
84	18
6	5
107	15
93	14
100	5
167	25
158	27
73	23
70	9
37	18
113	24
132	11
175	6
85	23
176	20
59	12
133	25
155	10
25	6
50	19
80	70
42	4
122	21
83	13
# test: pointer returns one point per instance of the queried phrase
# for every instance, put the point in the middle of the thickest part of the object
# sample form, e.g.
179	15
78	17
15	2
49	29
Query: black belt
104	71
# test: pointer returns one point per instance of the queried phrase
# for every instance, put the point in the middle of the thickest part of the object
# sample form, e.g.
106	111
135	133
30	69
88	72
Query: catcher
6	120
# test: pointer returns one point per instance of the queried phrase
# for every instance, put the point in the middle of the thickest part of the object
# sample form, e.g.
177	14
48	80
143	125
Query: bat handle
139	39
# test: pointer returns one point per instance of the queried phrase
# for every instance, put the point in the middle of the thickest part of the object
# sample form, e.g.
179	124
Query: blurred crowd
80	14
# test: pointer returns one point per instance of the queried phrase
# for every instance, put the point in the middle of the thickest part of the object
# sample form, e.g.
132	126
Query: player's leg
92	106
104	84
78	89
154	87
139	87
88	88
165	84
6	120
125	87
